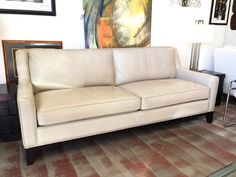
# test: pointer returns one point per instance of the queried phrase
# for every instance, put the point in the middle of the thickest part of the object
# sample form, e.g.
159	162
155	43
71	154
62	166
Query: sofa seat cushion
161	93
67	105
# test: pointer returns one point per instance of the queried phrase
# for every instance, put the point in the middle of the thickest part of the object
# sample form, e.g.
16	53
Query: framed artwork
117	24
219	12
32	7
10	47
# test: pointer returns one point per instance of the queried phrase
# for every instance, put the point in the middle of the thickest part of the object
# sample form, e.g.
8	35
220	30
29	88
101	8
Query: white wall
67	26
169	27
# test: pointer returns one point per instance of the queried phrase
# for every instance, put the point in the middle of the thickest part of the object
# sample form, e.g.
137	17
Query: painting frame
219	12
30	7
9	48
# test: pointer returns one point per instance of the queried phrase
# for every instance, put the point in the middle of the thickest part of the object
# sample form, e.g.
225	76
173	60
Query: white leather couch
69	94
225	62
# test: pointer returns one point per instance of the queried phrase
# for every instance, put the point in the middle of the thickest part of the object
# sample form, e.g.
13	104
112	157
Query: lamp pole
195	52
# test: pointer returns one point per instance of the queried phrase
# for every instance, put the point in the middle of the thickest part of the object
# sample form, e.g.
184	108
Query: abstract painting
117	23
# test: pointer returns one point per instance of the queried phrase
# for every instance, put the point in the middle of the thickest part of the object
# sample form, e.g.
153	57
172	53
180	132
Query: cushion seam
203	99
167	94
87	105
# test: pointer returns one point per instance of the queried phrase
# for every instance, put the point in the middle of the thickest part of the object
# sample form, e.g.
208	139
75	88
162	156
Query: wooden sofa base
32	153
209	117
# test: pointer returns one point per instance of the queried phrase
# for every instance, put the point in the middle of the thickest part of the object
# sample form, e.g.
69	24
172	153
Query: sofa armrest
204	79
27	113
25	100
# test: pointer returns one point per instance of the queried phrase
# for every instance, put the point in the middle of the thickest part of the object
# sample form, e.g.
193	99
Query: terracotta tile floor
184	147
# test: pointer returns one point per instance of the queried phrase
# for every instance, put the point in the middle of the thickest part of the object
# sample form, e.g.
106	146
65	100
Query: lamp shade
199	33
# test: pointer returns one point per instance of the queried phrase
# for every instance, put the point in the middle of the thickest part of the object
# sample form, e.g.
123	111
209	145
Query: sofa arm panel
22	63
204	79
25	100
27	114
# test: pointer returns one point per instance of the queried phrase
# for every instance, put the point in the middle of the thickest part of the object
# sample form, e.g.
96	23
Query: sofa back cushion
58	69
139	64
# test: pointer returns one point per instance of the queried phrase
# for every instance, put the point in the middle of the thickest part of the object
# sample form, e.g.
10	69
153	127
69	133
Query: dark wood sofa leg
209	117
30	155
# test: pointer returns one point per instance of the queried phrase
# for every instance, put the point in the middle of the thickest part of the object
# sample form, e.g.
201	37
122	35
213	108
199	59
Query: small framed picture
219	12
32	7
10	47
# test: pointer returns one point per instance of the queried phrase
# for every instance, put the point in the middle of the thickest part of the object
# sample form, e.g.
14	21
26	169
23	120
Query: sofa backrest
58	69
144	64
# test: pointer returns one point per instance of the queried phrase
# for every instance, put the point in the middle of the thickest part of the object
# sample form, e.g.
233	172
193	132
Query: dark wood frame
52	12
214	9
9	48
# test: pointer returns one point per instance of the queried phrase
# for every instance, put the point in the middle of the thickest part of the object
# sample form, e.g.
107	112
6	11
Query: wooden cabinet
9	120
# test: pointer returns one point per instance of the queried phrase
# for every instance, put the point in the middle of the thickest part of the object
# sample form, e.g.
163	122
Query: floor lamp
196	45
200	33
195	56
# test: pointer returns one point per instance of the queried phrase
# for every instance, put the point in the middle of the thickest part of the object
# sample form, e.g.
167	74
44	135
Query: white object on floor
225	62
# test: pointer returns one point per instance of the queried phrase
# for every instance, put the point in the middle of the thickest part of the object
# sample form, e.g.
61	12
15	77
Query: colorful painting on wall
117	23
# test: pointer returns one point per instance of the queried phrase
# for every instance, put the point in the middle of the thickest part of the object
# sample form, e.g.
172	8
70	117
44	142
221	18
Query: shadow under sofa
70	94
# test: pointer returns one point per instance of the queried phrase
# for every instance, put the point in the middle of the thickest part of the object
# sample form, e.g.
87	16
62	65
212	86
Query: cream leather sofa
69	94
